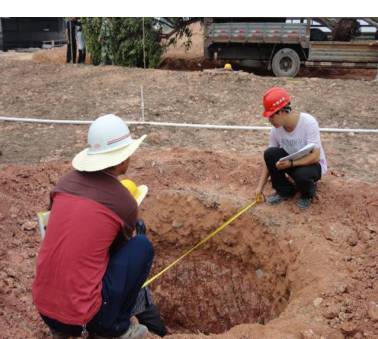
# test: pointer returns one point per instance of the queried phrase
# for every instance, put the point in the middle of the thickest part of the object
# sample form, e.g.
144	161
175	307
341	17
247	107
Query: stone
177	224
343	288
338	232
331	311
29	226
154	138
373	311
349	328
317	301
309	334
365	236
352	239
259	273
372	227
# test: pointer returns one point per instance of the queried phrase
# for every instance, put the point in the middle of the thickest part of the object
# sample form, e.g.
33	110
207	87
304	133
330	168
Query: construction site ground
276	272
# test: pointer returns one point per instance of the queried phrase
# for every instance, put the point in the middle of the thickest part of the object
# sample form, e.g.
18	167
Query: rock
331	311
309	334
349	328
352	239
328	232
317	301
259	273
365	236
373	228
373	311
334	334
177	224
10	272
29	226
338	232
154	138
343	288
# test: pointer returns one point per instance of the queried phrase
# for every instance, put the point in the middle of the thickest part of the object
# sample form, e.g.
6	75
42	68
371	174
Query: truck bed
234	32
358	51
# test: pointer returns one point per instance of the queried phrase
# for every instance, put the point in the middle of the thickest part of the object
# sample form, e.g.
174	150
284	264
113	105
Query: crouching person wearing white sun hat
81	286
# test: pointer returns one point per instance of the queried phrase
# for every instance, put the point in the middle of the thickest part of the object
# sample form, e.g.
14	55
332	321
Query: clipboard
300	154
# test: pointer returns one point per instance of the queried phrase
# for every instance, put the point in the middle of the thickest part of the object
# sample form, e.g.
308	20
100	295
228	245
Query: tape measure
212	234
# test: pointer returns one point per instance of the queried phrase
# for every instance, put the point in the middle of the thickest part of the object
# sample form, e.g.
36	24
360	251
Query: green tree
91	31
126	46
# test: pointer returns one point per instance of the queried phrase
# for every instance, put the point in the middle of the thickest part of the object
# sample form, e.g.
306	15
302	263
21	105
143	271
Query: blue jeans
127	270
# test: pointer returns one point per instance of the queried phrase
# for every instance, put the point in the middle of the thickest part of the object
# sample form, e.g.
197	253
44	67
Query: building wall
1	37
30	32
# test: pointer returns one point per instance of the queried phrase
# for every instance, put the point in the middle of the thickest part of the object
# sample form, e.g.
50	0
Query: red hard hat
274	99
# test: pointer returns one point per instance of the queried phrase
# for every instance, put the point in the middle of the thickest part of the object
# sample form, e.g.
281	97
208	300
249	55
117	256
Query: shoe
275	199
304	202
135	331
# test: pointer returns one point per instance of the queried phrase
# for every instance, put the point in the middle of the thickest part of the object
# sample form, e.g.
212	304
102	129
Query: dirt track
314	272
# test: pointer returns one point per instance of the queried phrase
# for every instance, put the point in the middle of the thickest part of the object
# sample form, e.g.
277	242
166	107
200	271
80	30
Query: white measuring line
174	124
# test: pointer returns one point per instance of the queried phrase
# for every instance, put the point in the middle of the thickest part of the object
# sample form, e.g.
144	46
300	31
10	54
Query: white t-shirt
79	38
306	131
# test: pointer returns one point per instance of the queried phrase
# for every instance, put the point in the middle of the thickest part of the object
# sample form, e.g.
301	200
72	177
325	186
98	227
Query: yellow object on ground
227	67
220	228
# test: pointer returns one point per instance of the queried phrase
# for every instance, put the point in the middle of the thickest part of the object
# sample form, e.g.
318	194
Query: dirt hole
239	276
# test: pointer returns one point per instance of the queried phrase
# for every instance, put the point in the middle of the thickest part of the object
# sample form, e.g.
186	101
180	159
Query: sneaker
135	331
304	203
275	199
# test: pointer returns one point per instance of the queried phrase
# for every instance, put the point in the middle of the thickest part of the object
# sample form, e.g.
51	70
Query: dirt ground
276	272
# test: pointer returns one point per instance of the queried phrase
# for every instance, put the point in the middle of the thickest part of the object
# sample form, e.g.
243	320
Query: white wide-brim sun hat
110	143
87	162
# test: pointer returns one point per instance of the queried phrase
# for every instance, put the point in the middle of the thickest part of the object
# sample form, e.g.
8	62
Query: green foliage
177	28
123	41
91	32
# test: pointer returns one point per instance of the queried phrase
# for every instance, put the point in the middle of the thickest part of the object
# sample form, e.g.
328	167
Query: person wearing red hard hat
291	132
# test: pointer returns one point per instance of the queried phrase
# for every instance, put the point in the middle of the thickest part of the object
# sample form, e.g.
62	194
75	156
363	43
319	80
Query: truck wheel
286	63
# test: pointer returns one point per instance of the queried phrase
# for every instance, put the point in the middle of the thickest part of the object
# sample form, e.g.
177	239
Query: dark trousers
71	53
127	270
82	54
304	176
150	317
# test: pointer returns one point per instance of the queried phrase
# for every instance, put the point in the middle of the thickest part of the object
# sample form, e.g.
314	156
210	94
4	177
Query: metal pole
70	39
142	102
144	49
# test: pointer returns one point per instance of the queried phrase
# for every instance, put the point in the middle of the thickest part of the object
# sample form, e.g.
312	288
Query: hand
259	196
140	227
281	165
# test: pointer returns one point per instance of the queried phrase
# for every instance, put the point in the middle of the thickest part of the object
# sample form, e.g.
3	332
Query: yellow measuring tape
220	228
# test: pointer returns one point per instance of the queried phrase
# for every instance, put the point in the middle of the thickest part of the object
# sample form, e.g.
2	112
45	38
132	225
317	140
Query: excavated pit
239	276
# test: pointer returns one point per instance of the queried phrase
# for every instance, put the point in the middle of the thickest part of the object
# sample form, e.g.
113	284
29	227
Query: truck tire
286	63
